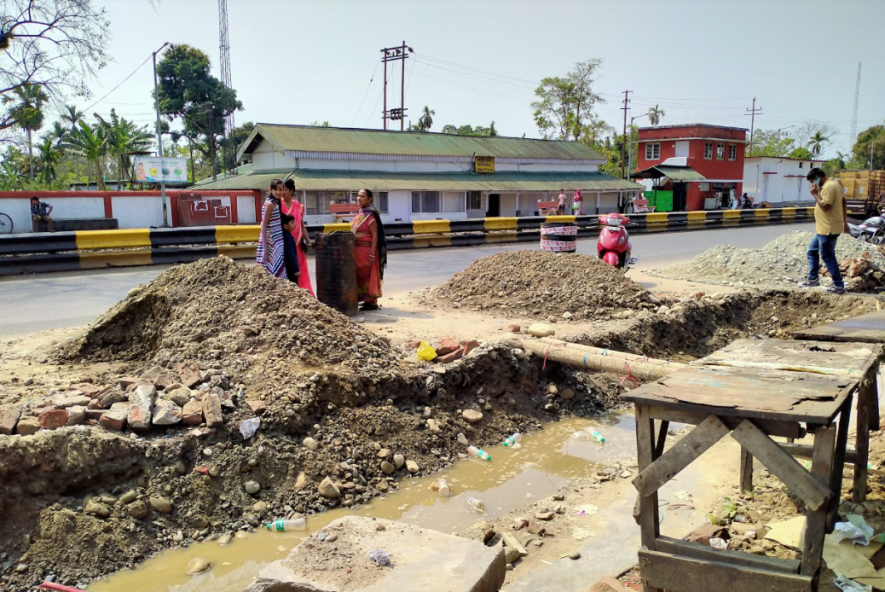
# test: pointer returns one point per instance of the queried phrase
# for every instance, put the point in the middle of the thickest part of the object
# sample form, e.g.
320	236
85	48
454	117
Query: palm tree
425	122
59	131
816	143
50	156
91	143
73	115
840	157
27	112
123	138
654	114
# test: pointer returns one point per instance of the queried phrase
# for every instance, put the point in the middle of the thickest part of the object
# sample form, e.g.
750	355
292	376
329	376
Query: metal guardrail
95	249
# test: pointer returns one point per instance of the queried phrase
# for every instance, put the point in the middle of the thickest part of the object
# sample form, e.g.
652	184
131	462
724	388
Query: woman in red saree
293	207
370	251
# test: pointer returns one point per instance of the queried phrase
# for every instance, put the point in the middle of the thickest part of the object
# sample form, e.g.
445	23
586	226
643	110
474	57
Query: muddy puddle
545	461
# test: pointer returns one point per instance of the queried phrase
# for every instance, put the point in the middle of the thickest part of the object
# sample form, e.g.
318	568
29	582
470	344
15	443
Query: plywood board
868	328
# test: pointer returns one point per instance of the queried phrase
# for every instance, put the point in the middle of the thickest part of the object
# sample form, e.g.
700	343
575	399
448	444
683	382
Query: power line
119	85
365	94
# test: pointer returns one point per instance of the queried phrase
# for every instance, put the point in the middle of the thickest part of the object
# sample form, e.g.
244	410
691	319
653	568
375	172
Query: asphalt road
59	300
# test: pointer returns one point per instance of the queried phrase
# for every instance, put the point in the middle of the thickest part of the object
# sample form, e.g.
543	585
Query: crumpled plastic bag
856	530
847	585
426	351
248	427
380	557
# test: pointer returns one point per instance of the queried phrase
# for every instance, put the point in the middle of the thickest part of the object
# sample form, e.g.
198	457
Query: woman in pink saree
293	207
370	251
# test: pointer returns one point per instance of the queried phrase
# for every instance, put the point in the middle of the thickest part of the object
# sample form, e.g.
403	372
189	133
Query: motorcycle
871	230
613	245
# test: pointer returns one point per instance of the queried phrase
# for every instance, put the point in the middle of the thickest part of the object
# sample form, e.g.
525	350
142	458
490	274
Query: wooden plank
835	476
680	455
814	494
663	428
816	523
784	429
746	479
862	442
685	574
673	546
807	451
649	523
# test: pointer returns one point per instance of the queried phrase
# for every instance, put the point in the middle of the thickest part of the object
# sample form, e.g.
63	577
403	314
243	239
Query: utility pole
160	136
624	136
853	137
752	113
393	54
630	150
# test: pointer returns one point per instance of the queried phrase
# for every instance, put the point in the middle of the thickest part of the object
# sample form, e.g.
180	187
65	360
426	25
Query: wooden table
750	404
868	328
854	360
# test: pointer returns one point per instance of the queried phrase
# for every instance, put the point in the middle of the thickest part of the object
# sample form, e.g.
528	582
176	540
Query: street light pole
160	136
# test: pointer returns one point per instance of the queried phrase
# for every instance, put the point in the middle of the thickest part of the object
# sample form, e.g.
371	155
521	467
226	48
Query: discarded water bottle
477	504
512	440
443	489
598	437
287	525
474	451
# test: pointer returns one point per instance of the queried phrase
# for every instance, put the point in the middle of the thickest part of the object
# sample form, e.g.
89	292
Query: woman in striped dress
269	254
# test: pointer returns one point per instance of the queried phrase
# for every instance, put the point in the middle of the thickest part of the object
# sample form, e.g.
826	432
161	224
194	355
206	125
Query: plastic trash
512	440
443	489
474	451
426	351
856	530
380	557
248	427
477	504
287	525
847	585
718	544
598	437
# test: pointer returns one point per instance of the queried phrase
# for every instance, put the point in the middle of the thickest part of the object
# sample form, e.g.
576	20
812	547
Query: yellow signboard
484	164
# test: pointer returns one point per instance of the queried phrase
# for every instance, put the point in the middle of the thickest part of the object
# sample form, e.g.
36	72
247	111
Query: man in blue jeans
829	222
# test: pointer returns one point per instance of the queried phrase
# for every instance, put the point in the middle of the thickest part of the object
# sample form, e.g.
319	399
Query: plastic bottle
443	489
512	440
598	437
474	451
284	525
477	504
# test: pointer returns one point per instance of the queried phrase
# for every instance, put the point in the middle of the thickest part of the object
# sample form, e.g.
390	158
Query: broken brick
56	418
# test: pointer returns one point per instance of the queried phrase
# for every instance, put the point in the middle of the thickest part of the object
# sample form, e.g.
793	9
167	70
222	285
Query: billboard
153	169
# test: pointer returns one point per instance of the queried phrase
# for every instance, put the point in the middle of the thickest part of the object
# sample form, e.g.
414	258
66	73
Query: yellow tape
237	234
560	218
501	223
113	239
237	251
430	226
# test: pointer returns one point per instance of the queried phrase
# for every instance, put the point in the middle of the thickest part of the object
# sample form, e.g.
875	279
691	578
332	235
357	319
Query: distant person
139	173
560	209
291	206
290	252
829	222
270	253
578	203
40	214
745	202
370	251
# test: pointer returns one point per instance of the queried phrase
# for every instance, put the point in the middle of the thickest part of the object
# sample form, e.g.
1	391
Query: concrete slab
420	559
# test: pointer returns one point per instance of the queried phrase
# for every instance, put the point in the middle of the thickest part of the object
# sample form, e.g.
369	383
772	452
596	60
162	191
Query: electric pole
624	136
752	113
160	136
393	54
853	137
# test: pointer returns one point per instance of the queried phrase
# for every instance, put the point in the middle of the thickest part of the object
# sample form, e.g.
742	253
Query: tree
425	122
565	105
771	143
72	116
870	141
50	156
189	92
124	138
469	130
816	143
800	153
805	132
654	115
26	111
314	123
91	143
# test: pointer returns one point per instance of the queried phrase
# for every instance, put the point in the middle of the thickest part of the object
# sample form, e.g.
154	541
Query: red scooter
613	245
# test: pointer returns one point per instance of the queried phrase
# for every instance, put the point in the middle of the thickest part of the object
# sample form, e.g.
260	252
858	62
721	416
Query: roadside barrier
95	249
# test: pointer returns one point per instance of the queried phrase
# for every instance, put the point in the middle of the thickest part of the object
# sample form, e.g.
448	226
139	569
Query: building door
494	210
679	195
682	149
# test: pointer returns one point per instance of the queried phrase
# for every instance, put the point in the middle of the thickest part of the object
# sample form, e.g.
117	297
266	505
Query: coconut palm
27	112
123	138
72	116
816	143
50	156
91	143
654	114
425	122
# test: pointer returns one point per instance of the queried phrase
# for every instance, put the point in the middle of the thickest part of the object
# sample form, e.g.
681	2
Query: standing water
546	461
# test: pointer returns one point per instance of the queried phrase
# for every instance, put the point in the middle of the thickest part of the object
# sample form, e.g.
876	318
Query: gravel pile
540	284
781	263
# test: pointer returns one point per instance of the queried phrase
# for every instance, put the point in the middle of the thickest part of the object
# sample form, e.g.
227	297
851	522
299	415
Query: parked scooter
871	230
613	245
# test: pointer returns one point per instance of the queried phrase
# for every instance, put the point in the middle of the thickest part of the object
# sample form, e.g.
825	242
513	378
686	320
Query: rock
567	394
115	418
514	328
300	481
469	346
398	461
189	374
137	509
328	489
259	507
331	538
462	439
567	315
383	453
544	515
446	346
27	426
97	508
450	357
511	555
481	531
519	524
387	468
258	407
89	389
198	565
433	426
541	330
537	529
664	309
382	486
192	413
180	396
606	584
705	532
471	415
107	399
574	555
161	504
77	415
252	487
51	420
141	402
412	466
166	412
212	410
310	443
9	420
511	543
225	539
65	400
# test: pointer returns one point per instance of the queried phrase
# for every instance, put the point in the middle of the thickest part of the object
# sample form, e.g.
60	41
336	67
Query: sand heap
539	284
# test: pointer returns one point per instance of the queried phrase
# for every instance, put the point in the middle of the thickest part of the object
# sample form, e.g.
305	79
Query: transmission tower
854	115
224	46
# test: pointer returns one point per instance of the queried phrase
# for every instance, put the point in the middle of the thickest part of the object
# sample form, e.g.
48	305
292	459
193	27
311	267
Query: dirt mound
539	284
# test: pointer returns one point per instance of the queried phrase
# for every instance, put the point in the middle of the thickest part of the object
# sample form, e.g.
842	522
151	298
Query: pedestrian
746	202
560	209
270	253
290	252
578	203
40	214
829	222
370	251
291	206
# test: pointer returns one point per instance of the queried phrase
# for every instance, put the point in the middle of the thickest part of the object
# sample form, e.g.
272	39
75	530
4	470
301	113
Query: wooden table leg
865	401
746	470
822	468
839	461
648	504
663	428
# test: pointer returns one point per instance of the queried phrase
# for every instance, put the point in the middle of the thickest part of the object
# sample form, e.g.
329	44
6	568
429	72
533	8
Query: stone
574	555
189	374
97	508
446	346
511	555
567	394
450	357
115	418
541	330
141	402
124	382
520	523
212	410
537	528
77	415
471	415
9	420
65	400
514	328
433	426
387	468
198	565
606	584
383	486
567	315
544	515
225	539
331	538
383	453
510	542
179	396
705	532
469	346
192	413
398	461
300	481
161	504
27	426
252	487
166	412
259	507
105	400
128	497
328	489
462	439
89	389
412	466
258	406
54	419
137	509
310	443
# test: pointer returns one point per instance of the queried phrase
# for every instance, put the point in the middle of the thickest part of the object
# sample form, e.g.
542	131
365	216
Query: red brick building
694	161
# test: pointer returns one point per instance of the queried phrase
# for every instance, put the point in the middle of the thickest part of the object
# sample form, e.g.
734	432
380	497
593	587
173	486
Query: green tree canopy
565	104
771	143
871	138
800	153
469	130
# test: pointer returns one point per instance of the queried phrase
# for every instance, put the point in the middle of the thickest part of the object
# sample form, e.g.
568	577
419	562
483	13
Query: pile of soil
781	263
540	284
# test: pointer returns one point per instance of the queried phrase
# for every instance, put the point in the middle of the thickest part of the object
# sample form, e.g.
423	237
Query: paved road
52	301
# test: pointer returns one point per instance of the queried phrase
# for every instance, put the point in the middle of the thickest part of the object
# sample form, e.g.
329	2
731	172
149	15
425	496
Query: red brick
514	328
450	357
258	407
10	418
190	374
469	346
413	345
212	410
50	420
447	346
115	419
89	389
126	381
192	414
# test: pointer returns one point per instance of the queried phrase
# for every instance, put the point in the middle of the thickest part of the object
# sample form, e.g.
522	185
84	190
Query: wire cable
86	110
375	71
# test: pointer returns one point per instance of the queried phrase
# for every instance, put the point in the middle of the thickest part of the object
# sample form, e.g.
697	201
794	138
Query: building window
800	164
383	202
703	186
453	202
474	200
317	202
652	151
720	151
425	202
708	150
732	152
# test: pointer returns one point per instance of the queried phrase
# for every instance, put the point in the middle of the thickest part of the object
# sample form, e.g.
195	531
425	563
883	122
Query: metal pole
402	102
160	136
384	115
624	135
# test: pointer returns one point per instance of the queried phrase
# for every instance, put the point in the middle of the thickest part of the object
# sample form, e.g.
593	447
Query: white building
777	180
424	176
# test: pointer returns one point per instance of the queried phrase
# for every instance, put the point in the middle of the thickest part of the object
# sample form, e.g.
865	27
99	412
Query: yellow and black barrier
94	249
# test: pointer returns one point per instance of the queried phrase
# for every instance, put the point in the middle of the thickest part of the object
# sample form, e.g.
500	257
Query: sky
474	61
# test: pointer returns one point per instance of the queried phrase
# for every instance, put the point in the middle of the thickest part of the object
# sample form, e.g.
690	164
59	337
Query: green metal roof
321	180
421	144
678	174
243	169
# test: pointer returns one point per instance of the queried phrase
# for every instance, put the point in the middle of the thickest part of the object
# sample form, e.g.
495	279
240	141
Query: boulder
328	489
